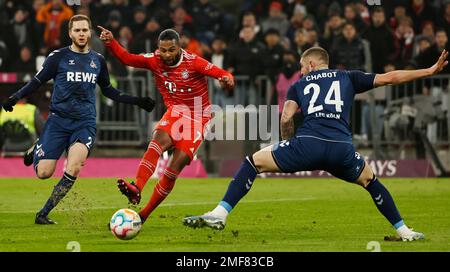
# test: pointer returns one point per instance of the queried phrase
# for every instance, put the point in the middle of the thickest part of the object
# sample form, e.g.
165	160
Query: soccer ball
125	224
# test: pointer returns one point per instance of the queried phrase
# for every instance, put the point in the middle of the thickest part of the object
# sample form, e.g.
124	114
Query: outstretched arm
138	61
287	119
402	76
47	72
206	68
146	103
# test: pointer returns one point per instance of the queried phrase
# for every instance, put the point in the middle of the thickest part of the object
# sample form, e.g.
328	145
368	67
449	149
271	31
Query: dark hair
272	31
168	35
440	29
350	24
378	10
79	17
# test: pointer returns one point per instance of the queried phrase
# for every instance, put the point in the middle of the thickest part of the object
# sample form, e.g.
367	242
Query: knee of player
256	163
75	168
44	174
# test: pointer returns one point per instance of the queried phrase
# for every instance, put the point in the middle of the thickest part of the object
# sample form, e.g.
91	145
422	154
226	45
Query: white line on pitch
170	205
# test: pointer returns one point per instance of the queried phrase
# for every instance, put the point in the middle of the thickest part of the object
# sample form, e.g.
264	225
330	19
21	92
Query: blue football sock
240	185
58	193
384	202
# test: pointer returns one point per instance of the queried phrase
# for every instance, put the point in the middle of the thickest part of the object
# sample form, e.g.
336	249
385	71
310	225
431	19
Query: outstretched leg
165	185
78	153
160	142
261	161
385	204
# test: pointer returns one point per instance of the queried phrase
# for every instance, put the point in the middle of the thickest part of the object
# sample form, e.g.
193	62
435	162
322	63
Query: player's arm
402	76
146	103
287	126
206	68
290	107
138	61
48	71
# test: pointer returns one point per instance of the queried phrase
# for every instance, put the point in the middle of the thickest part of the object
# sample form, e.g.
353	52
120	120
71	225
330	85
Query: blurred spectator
52	15
246	59
422	43
301	42
125	37
381	41
7	10
207	19
190	44
114	22
249	20
420	13
38	28
156	9
26	63
296	7
276	20
430	55
351	15
246	54
289	74
219	57
435	88
399	14
273	55
348	50
363	11
444	21
309	24
295	23
181	21
121	7
22	32
148	38
404	38
139	20
333	29
424	40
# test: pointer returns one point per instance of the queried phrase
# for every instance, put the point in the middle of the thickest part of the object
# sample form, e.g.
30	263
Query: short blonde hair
79	17
317	52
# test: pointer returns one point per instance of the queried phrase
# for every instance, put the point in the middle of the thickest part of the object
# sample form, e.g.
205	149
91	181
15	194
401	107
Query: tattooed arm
287	120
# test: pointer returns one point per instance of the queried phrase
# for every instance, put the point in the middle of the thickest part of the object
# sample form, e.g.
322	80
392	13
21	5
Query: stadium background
403	130
260	42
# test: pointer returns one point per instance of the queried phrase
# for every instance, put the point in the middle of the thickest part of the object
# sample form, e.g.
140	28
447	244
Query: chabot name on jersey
81	77
321	75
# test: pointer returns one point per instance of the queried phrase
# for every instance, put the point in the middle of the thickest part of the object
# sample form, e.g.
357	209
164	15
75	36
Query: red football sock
161	191
148	164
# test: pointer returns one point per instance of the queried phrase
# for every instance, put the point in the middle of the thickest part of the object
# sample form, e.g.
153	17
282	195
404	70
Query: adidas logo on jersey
81	77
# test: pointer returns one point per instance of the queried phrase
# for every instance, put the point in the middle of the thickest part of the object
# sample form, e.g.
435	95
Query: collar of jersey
70	48
179	62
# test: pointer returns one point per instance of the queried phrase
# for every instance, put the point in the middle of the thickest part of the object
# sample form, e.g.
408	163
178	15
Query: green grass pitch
276	215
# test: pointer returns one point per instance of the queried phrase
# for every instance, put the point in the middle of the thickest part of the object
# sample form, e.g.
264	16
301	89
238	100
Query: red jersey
179	84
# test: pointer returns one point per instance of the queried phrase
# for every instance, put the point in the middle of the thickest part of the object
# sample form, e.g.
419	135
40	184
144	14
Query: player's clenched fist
146	103
227	83
106	35
8	105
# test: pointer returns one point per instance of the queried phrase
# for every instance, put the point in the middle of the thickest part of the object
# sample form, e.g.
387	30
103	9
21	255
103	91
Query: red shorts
187	132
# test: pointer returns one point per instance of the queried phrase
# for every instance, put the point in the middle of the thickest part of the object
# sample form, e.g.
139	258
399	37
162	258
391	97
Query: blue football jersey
75	77
325	98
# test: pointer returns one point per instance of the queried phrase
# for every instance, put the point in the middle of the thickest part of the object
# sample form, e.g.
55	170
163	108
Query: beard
173	61
79	45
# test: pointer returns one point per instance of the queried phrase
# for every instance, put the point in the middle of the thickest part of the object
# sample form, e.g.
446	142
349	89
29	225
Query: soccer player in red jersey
181	78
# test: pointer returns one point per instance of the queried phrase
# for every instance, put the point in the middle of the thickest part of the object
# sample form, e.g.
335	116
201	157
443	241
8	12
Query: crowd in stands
254	39
261	37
